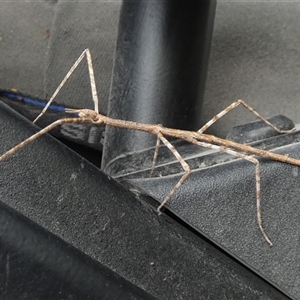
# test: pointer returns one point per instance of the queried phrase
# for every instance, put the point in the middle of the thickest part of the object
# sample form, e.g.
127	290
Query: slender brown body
198	138
194	137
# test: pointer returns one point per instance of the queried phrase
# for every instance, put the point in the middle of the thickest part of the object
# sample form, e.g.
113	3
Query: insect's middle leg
154	161
184	165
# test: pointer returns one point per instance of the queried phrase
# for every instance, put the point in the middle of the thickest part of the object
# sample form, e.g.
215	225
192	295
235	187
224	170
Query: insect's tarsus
195	137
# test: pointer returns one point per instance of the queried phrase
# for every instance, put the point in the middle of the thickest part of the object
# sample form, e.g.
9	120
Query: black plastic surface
258	130
219	200
36	264
69	197
160	69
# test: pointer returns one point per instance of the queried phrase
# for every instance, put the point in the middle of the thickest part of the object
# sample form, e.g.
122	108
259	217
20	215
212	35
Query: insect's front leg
86	53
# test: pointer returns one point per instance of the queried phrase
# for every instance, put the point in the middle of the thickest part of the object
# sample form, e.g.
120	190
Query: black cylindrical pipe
160	69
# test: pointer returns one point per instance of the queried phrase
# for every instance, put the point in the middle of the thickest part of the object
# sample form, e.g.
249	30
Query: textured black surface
219	198
66	195
36	264
220	202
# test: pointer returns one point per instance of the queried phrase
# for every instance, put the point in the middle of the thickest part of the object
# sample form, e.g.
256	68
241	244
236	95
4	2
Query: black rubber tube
160	69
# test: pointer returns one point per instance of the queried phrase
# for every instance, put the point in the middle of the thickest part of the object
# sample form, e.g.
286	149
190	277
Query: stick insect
195	137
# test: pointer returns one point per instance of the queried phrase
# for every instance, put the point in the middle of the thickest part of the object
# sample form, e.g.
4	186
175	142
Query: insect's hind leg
234	105
184	165
257	180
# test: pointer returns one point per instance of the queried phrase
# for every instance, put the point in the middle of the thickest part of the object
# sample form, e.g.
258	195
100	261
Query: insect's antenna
42	132
92	82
